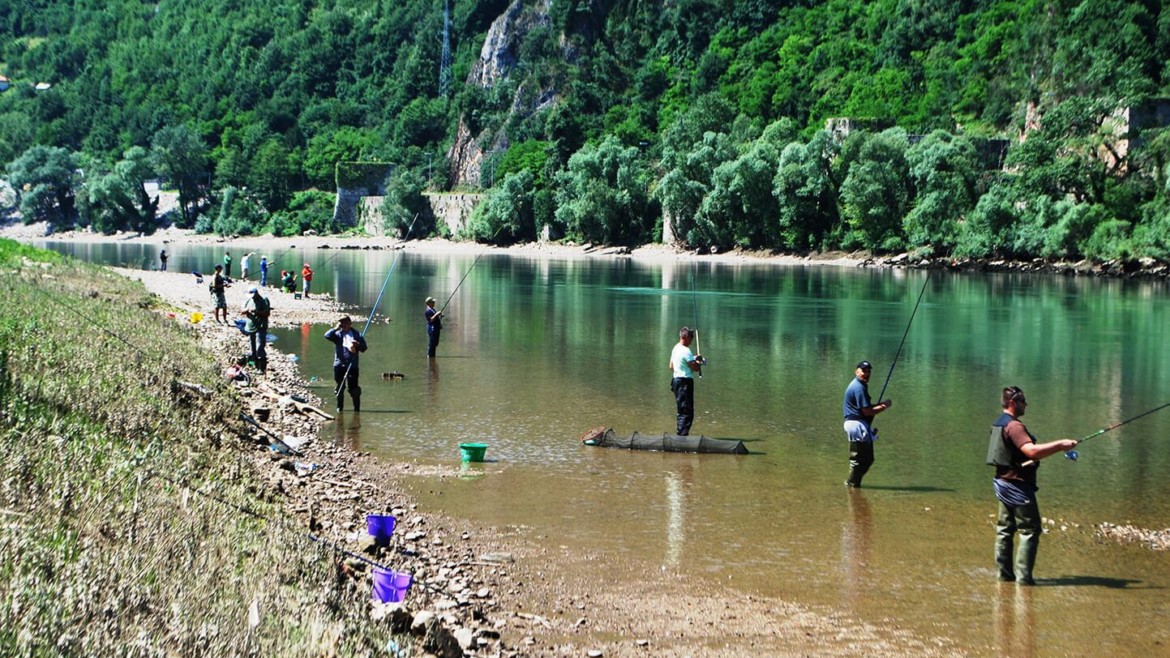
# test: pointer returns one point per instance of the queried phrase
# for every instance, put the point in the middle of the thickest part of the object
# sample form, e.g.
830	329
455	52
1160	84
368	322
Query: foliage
282	97
311	210
117	200
603	196
507	215
45	178
405	211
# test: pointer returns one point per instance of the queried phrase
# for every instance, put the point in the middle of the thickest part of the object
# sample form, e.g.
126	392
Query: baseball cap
865	365
253	289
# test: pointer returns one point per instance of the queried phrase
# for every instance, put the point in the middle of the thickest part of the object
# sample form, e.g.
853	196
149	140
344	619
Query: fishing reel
1071	455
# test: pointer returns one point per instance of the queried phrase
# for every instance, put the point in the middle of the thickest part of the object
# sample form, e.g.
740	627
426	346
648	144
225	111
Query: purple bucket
391	586
380	527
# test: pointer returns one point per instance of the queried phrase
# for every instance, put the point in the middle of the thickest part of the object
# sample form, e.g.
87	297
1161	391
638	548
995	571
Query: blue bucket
391	586
380	527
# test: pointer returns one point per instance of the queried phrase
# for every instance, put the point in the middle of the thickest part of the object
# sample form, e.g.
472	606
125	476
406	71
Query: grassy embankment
101	552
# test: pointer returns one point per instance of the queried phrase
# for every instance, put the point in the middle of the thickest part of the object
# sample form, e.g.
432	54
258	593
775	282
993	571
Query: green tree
876	193
270	177
45	179
181	156
506	216
117	200
806	193
944	172
603	195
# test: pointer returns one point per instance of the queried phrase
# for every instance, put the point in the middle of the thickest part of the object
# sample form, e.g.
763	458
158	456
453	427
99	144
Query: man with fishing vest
347	343
859	429
1014	452
683	366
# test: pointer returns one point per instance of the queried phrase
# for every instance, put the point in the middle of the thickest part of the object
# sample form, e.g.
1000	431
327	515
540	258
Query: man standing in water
859	413
1014	452
434	326
347	343
683	366
227	264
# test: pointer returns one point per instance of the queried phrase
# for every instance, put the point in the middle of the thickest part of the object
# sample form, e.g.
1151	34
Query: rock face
498	56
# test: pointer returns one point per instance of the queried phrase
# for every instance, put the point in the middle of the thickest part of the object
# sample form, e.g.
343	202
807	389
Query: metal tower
445	59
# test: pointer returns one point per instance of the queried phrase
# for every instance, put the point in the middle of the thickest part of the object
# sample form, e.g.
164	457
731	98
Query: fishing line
378	301
904	334
1072	455
473	264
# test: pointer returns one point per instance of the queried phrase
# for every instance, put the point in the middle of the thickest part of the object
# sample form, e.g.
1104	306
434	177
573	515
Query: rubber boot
356	396
340	401
1026	556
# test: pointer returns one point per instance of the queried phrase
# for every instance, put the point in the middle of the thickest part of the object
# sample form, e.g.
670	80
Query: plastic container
473	452
196	317
380	527
391	586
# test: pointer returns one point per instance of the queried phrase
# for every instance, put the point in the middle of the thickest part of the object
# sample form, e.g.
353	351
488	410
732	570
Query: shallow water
535	352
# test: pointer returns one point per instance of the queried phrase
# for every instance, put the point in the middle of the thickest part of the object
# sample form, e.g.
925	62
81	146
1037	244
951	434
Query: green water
535	352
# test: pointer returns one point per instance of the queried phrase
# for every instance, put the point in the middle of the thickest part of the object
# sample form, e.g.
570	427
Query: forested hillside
1018	128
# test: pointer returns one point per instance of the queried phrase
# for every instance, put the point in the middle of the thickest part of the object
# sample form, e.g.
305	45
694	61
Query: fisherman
434	326
162	259
683	366
859	429
257	308
1014	452
245	264
227	264
307	278
218	298
347	344
287	280
264	271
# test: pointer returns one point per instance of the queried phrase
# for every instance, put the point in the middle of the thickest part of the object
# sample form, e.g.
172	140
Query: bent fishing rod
1072	455
374	310
904	334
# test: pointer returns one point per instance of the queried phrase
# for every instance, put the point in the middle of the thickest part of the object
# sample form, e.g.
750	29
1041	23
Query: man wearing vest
1014	452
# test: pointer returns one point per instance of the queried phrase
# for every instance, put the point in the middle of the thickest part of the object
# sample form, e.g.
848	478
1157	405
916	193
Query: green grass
101	553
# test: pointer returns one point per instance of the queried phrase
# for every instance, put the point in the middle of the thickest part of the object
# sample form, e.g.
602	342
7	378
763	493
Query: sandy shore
272	245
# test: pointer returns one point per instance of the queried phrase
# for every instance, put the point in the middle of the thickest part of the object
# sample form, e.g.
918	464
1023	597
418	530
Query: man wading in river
683	366
1014	452
859	413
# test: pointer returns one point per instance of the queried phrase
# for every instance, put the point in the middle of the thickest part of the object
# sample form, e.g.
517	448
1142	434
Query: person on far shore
683	366
307	278
434	326
347	344
1014	452
218	298
859	413
257	308
264	271
162	260
287	280
227	264
245	264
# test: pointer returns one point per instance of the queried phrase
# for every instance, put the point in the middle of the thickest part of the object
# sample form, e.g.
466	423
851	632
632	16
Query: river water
535	352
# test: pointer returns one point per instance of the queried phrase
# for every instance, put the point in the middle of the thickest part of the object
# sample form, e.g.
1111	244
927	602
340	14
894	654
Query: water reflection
347	430
856	548
1015	624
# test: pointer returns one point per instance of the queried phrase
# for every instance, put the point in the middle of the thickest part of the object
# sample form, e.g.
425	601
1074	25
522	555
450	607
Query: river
535	352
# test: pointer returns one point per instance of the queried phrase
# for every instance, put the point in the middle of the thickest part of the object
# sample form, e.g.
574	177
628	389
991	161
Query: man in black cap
434	326
859	413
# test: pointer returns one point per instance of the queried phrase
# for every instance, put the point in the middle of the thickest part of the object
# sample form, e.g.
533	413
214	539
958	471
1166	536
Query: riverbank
174	238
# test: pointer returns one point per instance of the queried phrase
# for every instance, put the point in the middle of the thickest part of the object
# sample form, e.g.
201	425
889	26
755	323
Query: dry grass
103	549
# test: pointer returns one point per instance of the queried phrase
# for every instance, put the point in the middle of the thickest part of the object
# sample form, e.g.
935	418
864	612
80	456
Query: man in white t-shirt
683	366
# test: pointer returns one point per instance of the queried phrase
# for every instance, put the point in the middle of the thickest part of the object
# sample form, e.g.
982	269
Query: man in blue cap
859	413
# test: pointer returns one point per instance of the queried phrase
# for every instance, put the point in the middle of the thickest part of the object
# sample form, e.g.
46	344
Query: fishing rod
473	264
904	334
695	299
378	301
1072	455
